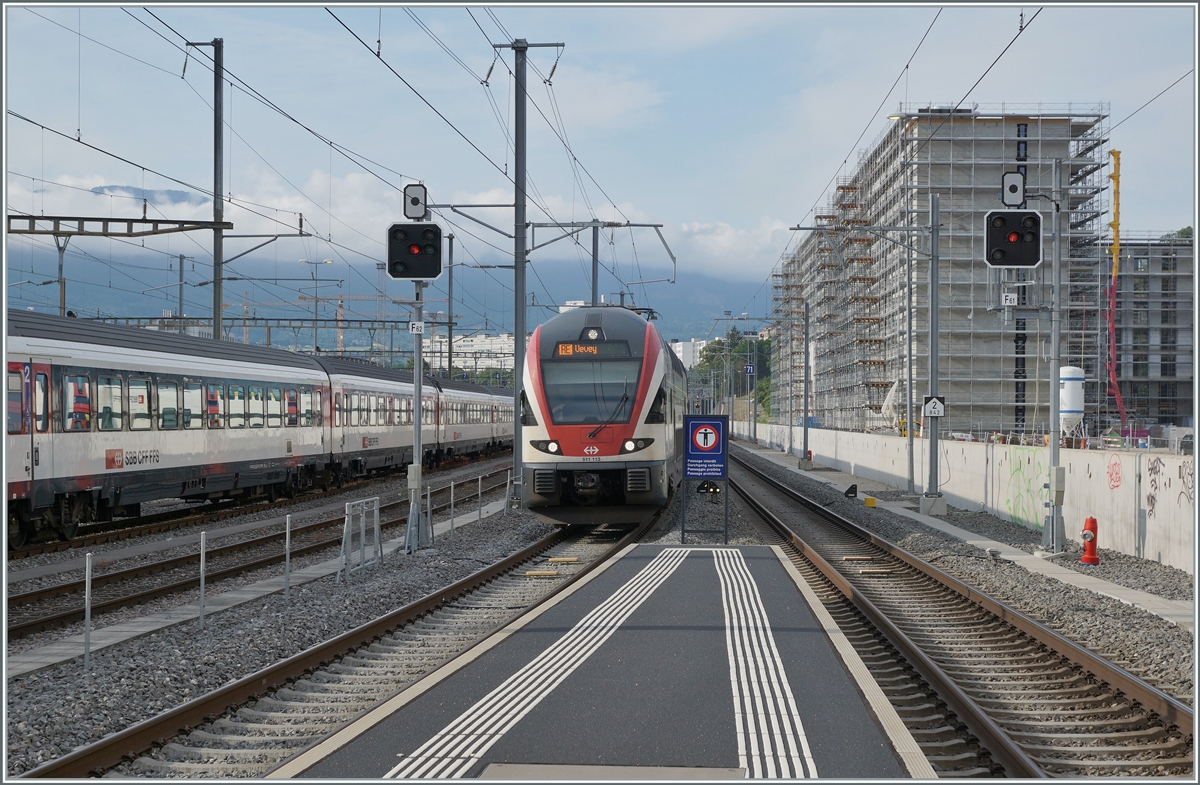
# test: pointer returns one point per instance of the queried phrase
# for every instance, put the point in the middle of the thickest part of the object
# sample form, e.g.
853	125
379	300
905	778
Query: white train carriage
102	418
502	417
469	421
372	417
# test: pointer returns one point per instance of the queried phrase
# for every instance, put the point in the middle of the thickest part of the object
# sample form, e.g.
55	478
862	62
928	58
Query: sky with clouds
726	125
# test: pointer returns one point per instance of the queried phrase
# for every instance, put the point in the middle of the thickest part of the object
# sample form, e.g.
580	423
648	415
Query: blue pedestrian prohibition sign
705	455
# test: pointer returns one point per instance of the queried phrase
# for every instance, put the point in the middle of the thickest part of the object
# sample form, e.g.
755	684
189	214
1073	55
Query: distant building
688	352
851	277
1154	331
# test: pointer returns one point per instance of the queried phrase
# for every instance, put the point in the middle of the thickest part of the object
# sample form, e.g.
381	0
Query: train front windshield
581	391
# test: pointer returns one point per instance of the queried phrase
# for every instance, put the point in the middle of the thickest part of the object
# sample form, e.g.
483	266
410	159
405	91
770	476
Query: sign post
705	458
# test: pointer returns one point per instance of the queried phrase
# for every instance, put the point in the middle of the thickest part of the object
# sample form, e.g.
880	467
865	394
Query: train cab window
214	406
139	405
306	409
193	402
16	402
237	406
77	403
291	412
41	403
254	407
168	406
655	415
274	407
108	403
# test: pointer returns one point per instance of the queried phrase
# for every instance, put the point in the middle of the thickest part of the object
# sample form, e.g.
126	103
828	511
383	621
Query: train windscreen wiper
616	412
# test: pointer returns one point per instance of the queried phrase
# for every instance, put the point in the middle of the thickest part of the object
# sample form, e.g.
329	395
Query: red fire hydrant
1089	543
810	455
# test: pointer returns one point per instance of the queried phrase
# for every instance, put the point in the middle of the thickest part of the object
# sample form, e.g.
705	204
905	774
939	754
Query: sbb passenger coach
102	418
602	410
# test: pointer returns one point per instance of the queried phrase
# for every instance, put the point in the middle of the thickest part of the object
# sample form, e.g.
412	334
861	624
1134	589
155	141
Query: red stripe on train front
574	440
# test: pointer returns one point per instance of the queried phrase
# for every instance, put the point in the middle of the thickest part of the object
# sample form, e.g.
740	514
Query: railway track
105	532
62	603
251	725
986	690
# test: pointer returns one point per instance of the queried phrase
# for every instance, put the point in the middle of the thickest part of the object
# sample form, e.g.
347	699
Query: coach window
254	405
193	405
77	403
237	406
337	409
372	412
306	409
215	406
139	405
291	413
16	402
108	403
41	403
352	410
168	406
274	407
318	412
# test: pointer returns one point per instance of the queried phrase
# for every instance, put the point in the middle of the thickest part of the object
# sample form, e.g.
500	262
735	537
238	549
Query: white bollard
481	497
287	561
87	612
451	506
429	511
203	540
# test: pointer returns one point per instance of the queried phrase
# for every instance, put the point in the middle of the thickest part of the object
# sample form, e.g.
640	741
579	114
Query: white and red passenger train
602	414
102	418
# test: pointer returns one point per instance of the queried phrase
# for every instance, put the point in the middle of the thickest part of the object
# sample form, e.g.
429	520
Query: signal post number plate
416	328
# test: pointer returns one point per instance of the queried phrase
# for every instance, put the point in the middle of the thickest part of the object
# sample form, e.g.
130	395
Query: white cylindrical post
429	511
451	505
287	560
362	537
87	612
203	543
481	497
507	485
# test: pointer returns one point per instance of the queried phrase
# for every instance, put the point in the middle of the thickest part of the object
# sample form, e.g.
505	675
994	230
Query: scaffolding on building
855	278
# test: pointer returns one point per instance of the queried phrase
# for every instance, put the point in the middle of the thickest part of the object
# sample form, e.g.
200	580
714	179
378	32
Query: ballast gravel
53	711
1145	644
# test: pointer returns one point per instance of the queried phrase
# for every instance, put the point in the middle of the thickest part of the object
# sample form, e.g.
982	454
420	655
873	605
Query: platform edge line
902	741
340	738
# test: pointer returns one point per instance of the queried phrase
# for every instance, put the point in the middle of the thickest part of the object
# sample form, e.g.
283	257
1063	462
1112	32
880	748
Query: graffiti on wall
1188	479
1024	494
1114	472
1154	468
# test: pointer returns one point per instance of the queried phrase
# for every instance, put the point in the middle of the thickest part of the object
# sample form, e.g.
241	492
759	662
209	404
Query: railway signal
414	251
416	199
1013	238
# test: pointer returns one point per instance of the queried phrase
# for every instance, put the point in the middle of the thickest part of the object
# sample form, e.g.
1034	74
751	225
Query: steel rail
999	744
1171	710
94	759
22	629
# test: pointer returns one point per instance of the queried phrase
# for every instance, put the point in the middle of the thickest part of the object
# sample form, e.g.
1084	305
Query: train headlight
546	445
552	447
634	445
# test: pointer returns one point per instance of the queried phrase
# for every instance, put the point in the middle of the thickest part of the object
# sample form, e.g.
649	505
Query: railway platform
676	662
1179	612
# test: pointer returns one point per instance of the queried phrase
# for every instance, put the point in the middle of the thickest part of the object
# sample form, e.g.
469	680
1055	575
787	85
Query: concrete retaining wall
1144	503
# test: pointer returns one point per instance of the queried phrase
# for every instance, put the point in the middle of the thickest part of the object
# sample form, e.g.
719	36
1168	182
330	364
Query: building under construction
862	268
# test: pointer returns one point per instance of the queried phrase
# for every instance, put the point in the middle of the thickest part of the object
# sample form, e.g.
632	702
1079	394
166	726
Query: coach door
42	431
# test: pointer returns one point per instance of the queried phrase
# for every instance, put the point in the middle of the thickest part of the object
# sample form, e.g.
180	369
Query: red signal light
415	249
1013	237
